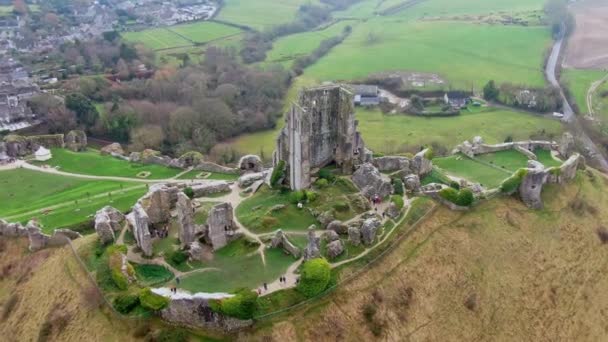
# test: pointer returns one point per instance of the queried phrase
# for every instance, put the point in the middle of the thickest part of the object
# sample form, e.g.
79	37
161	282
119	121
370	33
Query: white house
42	154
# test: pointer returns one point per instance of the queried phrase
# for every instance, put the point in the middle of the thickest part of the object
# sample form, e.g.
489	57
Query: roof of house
365	90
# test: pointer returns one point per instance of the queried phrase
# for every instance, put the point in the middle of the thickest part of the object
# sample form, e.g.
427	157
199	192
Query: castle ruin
320	129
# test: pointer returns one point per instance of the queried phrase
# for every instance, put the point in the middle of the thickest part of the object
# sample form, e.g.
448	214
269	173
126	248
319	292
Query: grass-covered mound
314	277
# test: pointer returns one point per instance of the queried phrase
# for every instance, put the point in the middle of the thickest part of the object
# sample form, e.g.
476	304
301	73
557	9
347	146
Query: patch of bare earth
500	272
588	45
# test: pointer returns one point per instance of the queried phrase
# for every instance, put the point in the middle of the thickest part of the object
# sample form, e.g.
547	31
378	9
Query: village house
456	99
366	95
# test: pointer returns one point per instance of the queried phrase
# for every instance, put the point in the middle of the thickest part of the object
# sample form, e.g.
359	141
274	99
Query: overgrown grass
149	275
579	82
260	14
463	167
212	175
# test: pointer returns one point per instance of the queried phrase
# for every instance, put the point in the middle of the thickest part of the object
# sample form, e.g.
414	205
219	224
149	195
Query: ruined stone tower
320	129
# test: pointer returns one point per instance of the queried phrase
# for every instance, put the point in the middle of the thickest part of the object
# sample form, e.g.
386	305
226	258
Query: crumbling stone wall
20	146
220	225
320	129
195	312
478	147
76	141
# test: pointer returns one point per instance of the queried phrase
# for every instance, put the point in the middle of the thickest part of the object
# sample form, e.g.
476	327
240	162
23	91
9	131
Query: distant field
158	38
204	31
579	81
6	9
180	35
467	55
92	163
260	14
285	50
451	7
24	191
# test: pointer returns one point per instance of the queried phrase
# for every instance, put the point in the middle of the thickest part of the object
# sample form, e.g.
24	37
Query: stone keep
320	129
185	219
220	225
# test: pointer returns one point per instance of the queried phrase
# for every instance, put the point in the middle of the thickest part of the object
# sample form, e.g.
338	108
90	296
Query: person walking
265	287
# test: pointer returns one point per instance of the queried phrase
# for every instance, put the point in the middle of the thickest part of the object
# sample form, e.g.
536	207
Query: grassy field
579	81
260	14
451	7
286	49
509	160
546	159
467	55
212	175
157	38
25	191
6	9
238	268
204	31
92	163
462	167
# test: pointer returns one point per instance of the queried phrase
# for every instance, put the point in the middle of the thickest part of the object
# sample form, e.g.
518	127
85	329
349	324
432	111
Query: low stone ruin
479	147
369	180
566	145
411	183
420	165
17	146
337	226
139	223
76	141
37	239
195	312
108	221
313	249
250	163
113	149
334	249
369	230
280	240
354	235
209	188
220	227
212	167
249	179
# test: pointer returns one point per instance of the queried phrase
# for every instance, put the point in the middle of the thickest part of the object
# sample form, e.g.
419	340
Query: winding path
590	92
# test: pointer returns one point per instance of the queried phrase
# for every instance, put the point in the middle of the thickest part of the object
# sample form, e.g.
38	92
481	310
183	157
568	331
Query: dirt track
588	46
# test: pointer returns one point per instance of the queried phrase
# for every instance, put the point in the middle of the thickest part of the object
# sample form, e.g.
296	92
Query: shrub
269	221
490	91
341	206
511	184
243	305
115	263
151	300
449	194
429	154
311	196
125	303
398	187
455	185
463	198
315	276
296	197
178	257
326	174
119	279
189	192
398	200
172	335
321	183
277	173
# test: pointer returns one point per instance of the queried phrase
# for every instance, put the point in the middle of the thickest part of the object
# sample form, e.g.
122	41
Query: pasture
579	82
462	167
156	38
92	163
203	31
451	7
467	55
260	14
28	194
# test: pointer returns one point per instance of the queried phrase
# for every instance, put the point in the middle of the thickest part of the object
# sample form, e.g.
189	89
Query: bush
311	196
297	196
455	185
398	200
243	305
512	183
189	192
490	91
326	174
172	335
321	183
125	303
429	154
119	279
398	187
269	221
341	206
178	257
463	198
315	276
277	173
151	300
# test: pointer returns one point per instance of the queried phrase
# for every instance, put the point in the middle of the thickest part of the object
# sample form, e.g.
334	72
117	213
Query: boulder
76	141
190	159
251	163
411	183
330	236
392	211
250	178
369	180
209	188
108	221
196	251
391	163
369	230
334	249
158	202
114	149
566	145
280	240
359	202
141	231
326	218
12	229
421	165
337	226
354	235
312	249
212	167
185	219
135	157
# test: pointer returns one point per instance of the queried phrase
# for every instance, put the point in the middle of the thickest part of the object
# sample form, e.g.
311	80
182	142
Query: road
591	151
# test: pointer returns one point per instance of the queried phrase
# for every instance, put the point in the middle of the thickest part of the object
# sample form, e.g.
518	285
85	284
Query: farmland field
451	7
92	163
579	81
155	39
588	46
204	31
467	55
260	14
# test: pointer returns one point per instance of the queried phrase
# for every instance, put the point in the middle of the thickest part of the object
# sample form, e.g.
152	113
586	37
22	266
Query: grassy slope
467	55
451	7
536	275
579	81
93	163
204	31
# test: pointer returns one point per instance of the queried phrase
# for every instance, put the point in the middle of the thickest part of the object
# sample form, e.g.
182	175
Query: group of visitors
161	233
